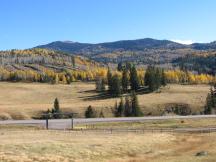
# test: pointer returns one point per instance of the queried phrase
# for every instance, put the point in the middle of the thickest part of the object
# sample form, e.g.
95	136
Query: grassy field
24	100
153	124
19	144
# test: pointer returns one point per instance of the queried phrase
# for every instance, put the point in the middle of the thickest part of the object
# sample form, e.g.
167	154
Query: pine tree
213	96
120	66
90	112
56	105
127	109
158	76
154	78
210	106
115	111
134	80
103	85
48	113
101	114
115	89
100	84
163	78
73	61
150	78
125	81
109	79
120	110
68	79
56	109
135	108
128	66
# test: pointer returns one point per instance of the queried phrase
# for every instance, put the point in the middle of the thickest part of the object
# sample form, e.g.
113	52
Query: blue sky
28	23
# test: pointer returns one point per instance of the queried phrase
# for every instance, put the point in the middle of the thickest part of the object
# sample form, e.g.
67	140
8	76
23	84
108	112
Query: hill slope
42	65
55	60
143	51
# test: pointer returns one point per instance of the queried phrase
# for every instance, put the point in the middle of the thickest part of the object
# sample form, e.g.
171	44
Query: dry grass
151	124
24	100
41	145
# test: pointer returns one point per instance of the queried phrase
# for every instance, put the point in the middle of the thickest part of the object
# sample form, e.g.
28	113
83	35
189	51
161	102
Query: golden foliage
178	76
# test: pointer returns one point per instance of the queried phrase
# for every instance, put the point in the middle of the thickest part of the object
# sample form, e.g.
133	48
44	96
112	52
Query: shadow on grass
143	90
98	96
106	95
88	91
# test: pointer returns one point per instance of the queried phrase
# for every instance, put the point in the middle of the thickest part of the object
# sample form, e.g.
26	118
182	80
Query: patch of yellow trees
68	76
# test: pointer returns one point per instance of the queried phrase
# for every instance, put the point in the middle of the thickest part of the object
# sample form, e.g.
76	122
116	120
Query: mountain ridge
146	43
145	51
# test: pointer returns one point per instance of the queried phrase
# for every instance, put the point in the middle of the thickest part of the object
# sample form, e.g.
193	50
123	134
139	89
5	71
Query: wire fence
149	130
116	131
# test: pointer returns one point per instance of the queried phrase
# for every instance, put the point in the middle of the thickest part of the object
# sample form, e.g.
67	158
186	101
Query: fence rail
147	130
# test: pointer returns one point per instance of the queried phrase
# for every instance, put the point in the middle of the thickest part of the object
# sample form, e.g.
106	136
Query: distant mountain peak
145	50
68	41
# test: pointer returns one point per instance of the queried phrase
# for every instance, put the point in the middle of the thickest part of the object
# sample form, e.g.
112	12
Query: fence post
72	123
47	123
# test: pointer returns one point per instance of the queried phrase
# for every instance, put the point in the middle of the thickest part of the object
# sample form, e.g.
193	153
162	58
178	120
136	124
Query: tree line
128	107
129	80
46	75
210	107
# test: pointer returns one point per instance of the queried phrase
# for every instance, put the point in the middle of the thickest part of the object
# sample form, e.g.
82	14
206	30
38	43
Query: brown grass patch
24	100
42	145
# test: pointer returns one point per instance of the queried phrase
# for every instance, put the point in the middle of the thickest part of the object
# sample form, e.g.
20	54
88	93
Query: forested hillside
204	62
141	51
43	65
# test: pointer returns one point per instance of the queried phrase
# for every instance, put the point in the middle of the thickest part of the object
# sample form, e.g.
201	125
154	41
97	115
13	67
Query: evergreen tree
101	114
154	78
115	108
73	61
158	76
49	114
120	110
109	79
210	106
125	81
120	66
68	79
135	108
128	66
213	96
90	112
163	79
115	89
56	105
150	78
103	85
100	84
127	109
56	109
134	80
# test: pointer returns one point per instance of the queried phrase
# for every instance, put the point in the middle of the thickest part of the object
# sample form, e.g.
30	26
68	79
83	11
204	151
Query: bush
90	112
178	109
